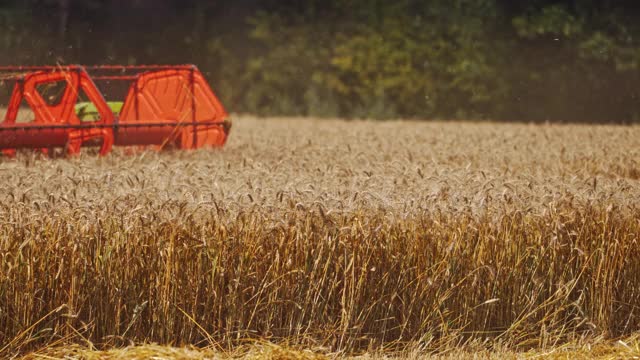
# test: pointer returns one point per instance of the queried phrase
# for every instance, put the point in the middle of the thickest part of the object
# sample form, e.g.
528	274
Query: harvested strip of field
621	349
340	234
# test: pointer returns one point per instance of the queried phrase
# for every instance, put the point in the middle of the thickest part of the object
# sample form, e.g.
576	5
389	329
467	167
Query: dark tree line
535	60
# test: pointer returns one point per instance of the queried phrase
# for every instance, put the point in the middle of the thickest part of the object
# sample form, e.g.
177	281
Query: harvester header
66	107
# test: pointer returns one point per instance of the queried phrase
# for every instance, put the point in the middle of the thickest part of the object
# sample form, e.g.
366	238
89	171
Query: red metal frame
164	104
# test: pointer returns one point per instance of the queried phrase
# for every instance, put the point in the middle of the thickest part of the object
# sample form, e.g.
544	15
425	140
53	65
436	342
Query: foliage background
538	60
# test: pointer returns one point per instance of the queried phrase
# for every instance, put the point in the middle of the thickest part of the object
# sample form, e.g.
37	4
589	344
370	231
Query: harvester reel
160	105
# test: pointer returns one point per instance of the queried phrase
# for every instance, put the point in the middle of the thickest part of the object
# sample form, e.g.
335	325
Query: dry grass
336	235
259	351
627	349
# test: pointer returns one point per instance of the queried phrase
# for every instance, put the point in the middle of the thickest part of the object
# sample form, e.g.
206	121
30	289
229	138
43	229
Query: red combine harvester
150	105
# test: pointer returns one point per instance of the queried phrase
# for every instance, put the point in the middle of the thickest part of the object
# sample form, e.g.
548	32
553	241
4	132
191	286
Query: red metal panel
178	97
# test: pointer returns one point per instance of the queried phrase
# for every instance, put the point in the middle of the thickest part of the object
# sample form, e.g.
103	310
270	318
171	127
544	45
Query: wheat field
342	236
